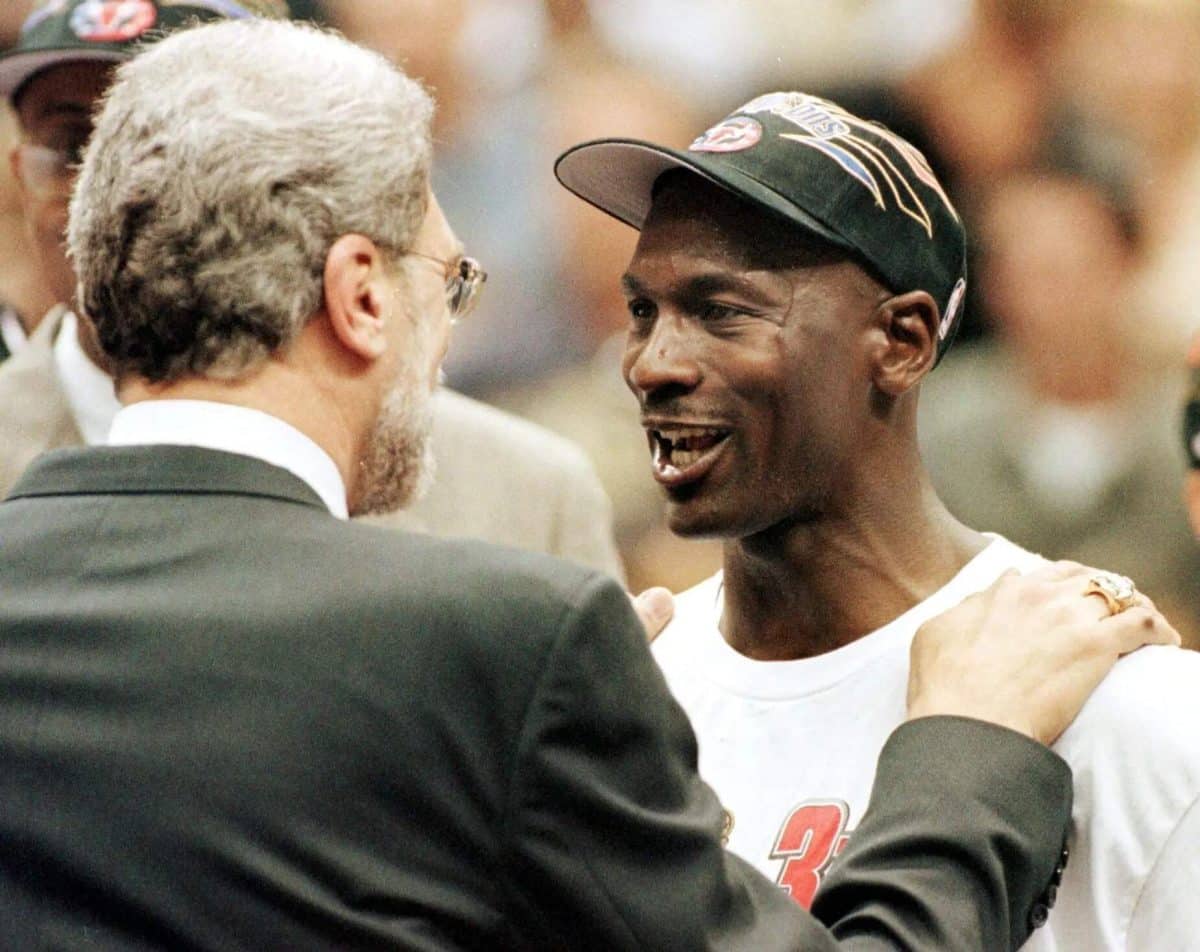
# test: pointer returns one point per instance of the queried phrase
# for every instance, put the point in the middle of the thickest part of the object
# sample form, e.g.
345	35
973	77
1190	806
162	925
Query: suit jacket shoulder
508	481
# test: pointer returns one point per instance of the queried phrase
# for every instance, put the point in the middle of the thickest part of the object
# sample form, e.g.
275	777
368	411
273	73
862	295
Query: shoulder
464	584
695	613
1141	722
463	425
507	480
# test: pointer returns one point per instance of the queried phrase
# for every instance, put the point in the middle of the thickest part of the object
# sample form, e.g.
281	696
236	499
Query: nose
663	363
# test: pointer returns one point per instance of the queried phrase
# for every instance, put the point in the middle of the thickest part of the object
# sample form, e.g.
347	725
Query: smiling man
799	272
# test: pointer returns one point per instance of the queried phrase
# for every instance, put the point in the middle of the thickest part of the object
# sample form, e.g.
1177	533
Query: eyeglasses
464	280
46	171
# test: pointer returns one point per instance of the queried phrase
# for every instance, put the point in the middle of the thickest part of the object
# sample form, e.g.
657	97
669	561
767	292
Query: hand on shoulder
654	607
1027	652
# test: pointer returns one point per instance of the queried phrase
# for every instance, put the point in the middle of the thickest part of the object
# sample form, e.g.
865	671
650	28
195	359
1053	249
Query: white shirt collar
88	389
12	330
221	426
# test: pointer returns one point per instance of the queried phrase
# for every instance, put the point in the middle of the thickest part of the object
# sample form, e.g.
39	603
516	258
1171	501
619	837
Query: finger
655	607
1064	570
1138	626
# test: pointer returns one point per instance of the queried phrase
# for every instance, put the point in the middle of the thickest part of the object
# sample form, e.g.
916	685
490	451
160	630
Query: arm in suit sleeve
612	838
964	831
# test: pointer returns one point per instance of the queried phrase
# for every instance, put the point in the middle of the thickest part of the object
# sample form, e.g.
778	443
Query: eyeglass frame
464	280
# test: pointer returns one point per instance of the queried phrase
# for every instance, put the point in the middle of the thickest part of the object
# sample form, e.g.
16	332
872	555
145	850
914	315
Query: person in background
1053	432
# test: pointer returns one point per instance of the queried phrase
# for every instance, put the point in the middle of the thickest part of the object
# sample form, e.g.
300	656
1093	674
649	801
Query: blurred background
1067	131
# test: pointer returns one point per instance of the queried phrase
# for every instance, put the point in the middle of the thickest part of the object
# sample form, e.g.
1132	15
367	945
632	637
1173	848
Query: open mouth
683	454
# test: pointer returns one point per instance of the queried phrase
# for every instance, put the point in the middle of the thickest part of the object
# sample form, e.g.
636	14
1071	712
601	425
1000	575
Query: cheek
633	350
49	219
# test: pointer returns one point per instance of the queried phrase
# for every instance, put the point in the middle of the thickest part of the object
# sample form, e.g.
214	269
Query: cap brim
618	176
17	68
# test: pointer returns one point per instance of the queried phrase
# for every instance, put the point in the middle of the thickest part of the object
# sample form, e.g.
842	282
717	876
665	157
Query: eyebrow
702	285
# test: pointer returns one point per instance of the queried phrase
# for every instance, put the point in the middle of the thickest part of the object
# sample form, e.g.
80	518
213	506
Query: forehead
691	216
69	91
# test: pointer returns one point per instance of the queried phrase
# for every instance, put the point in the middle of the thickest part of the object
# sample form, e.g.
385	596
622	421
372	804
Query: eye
714	311
642	310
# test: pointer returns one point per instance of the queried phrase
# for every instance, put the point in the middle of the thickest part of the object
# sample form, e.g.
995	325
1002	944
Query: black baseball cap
851	182
69	31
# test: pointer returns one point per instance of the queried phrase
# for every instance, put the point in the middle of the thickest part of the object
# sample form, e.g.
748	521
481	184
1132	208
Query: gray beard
398	465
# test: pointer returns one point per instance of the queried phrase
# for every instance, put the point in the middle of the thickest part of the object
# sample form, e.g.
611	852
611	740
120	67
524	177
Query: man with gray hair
231	720
535	491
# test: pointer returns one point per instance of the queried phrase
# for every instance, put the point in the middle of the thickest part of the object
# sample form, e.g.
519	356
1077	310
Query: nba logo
113	21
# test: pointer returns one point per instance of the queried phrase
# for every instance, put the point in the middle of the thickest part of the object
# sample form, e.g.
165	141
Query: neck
802	590
280	391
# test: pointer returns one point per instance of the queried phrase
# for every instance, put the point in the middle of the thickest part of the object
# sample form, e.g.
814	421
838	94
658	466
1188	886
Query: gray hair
225	163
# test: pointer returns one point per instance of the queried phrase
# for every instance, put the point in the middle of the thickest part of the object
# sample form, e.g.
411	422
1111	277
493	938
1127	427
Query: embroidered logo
831	130
732	135
113	21
952	308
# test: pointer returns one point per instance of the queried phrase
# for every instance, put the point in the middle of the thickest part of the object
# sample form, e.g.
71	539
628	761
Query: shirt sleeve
1167	915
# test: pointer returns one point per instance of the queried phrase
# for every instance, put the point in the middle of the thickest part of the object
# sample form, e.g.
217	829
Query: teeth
684	458
679	447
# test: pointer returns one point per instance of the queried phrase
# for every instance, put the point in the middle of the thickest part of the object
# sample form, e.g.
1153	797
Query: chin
693	520
398	465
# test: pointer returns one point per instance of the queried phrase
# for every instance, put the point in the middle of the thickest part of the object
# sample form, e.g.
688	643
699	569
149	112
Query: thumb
654	607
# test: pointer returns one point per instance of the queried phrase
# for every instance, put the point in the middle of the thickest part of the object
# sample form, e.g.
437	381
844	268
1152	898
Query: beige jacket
499	478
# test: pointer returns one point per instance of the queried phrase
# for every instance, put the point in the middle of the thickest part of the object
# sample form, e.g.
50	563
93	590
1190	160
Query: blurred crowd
1068	132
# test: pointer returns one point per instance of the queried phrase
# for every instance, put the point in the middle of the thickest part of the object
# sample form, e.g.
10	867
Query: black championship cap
68	31
854	183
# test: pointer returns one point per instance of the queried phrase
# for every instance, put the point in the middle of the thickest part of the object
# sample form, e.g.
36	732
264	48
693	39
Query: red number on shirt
808	841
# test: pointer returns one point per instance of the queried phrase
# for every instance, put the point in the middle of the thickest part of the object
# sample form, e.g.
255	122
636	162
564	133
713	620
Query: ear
356	295
909	323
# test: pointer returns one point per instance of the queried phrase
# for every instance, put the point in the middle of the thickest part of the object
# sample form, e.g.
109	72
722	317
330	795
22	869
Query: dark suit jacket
229	721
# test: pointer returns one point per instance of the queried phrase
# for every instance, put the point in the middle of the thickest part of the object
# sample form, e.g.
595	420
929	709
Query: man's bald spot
753	237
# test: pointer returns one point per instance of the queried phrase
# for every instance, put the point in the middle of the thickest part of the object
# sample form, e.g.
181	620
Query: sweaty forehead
691	215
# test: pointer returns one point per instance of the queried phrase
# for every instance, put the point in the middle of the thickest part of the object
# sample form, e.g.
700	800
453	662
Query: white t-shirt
790	748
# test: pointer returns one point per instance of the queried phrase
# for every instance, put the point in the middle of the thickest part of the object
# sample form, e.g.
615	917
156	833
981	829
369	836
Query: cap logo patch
735	134
113	21
807	112
952	308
